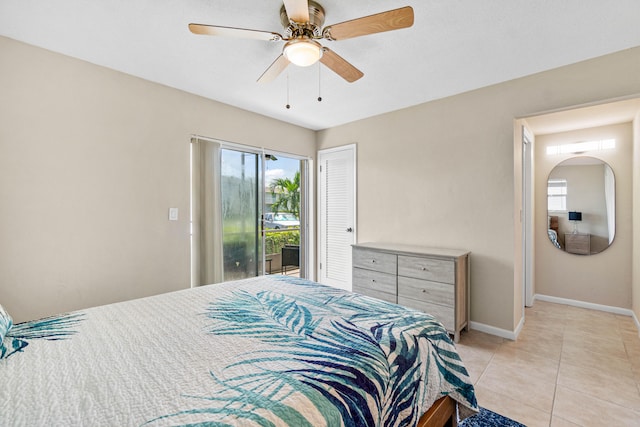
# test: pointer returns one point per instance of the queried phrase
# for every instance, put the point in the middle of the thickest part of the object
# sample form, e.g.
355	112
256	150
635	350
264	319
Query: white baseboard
591	306
519	327
512	335
492	330
582	304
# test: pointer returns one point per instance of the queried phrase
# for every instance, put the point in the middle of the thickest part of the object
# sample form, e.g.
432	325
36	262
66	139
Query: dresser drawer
577	243
425	290
374	260
368	279
442	313
438	270
371	292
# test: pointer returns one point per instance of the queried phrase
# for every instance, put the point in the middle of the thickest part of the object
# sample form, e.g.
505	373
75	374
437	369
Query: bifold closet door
337	215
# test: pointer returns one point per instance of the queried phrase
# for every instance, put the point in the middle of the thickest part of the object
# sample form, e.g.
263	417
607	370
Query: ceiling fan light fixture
302	52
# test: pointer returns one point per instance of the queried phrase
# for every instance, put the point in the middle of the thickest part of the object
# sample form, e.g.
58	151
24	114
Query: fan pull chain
319	83
288	105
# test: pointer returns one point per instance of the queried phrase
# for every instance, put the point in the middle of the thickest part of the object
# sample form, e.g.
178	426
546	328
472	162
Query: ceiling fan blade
297	10
216	30
386	21
274	69
340	66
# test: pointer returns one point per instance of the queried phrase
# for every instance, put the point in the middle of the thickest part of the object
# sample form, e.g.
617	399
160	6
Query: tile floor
569	367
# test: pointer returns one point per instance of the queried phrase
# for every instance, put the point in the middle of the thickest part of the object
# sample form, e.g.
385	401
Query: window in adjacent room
557	195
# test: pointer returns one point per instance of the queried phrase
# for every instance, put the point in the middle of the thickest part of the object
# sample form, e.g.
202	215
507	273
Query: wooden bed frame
441	414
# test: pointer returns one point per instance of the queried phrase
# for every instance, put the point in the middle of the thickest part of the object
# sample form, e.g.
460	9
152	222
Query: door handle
349	230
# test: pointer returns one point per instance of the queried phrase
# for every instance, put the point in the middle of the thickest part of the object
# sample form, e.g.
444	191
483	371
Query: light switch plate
173	214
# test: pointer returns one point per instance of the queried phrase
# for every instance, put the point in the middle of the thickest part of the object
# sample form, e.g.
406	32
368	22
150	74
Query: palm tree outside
287	194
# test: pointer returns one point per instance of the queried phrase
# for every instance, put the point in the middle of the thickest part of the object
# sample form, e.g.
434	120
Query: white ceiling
454	46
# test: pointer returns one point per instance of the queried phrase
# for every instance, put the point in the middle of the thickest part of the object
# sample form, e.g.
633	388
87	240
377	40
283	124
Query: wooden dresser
432	280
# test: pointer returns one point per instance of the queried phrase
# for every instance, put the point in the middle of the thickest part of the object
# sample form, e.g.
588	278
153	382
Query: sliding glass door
241	181
248	213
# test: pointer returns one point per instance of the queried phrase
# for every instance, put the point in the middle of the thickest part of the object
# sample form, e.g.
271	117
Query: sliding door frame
307	237
306	210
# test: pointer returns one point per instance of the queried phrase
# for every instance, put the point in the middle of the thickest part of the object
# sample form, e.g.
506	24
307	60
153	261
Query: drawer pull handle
424	268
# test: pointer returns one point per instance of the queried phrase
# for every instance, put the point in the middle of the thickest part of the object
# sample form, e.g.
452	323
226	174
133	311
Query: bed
552	231
553	236
266	351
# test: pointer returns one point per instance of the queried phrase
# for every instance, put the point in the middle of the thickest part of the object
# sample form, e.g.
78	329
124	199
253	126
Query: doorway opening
539	268
283	234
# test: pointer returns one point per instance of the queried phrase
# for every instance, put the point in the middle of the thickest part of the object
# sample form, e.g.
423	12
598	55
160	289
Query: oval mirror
581	206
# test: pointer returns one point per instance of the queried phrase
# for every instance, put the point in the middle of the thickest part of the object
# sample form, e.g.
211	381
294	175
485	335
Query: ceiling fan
303	21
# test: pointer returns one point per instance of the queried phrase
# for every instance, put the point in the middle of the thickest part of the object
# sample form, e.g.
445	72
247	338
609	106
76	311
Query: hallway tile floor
569	367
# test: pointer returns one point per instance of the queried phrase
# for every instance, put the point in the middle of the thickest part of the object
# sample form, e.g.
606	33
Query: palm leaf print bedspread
267	351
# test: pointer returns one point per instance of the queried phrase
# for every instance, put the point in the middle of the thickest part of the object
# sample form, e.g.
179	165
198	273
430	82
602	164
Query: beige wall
604	278
90	161
636	219
442	173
